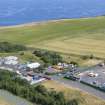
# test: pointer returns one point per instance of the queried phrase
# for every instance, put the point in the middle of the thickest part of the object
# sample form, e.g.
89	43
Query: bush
91	56
85	57
8	47
74	63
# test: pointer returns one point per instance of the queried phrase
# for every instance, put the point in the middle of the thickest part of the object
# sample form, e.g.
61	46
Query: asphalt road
80	86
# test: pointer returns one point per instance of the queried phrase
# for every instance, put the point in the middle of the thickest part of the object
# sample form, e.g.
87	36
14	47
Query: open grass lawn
83	98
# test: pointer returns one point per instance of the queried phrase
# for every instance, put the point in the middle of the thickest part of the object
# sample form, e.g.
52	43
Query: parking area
94	76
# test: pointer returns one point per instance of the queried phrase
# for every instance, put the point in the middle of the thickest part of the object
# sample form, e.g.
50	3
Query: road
79	86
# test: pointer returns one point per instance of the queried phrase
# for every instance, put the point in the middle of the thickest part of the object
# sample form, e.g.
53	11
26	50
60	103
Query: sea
14	12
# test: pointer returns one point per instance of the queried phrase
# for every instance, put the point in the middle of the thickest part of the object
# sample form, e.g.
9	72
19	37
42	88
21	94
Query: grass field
78	36
83	98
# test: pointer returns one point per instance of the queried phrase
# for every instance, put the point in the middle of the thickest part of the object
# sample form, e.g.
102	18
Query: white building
11	60
33	65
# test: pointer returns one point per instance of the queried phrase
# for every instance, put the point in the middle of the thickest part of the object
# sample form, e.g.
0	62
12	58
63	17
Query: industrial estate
94	76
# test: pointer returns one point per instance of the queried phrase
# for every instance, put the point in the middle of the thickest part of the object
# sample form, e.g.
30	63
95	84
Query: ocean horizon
13	12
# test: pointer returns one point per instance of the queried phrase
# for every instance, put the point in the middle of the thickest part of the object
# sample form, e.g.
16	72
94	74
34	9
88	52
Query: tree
48	57
9	47
74	63
91	56
72	102
41	89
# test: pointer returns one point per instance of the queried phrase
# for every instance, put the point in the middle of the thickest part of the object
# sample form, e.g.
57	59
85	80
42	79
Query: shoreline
47	21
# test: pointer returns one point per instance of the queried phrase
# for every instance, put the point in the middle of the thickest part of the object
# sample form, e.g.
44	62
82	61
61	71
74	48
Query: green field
78	36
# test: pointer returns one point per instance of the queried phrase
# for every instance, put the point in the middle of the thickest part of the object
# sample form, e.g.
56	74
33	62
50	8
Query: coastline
48	21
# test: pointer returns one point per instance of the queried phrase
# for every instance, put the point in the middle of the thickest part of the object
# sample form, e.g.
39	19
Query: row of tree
49	58
36	94
9	47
